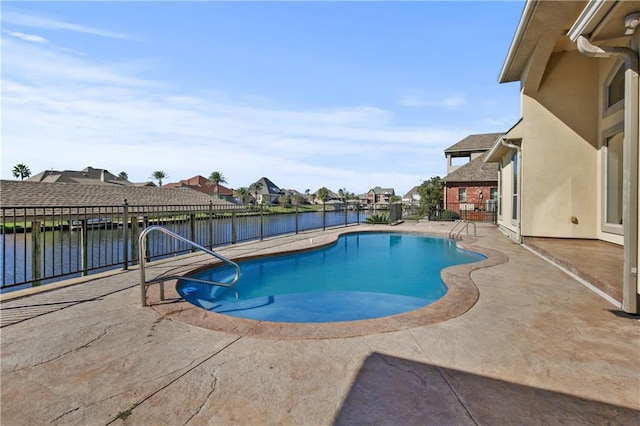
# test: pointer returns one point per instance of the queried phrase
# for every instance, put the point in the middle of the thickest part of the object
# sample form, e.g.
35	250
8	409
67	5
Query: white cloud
422	100
62	111
16	17
26	37
138	133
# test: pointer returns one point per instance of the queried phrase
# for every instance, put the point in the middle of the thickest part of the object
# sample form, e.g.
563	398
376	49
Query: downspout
503	142
630	165
629	56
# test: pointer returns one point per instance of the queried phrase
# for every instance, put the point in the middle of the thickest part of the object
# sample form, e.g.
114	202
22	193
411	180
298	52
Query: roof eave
507	73
593	13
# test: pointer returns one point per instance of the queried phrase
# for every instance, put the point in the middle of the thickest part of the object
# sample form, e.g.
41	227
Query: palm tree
216	178
21	171
159	175
123	175
255	188
323	194
242	192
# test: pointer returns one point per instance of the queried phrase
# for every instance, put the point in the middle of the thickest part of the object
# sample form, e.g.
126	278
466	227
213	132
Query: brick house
380	195
202	184
471	184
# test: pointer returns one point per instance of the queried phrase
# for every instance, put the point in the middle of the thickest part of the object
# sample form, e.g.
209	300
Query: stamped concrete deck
535	347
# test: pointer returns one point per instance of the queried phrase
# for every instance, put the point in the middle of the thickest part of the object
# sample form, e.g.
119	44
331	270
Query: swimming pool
361	276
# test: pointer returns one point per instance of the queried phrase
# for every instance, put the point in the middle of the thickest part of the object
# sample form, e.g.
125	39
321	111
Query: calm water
61	248
362	276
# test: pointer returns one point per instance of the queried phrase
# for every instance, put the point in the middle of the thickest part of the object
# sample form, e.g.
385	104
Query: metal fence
45	244
486	211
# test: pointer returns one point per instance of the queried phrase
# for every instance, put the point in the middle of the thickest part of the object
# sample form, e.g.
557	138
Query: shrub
378	218
449	215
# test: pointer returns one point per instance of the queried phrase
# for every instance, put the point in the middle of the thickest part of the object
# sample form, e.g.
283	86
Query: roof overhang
498	150
539	33
603	21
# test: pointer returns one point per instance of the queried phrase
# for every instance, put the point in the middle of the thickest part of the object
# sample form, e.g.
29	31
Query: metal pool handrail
466	226
142	245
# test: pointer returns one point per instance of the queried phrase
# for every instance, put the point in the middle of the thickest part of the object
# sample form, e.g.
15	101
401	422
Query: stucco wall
559	150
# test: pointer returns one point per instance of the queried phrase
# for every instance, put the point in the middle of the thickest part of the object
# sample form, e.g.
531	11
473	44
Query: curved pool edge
461	296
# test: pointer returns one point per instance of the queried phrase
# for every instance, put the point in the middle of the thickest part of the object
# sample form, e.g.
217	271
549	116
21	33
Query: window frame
515	173
608	134
462	195
500	186
607	109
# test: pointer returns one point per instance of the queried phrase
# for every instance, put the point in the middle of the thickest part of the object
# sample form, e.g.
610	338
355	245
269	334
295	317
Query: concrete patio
537	347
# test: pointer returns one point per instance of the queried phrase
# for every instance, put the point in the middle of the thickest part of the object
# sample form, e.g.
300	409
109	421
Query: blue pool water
362	276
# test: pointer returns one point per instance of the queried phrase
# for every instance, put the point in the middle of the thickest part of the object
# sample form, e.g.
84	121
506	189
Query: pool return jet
142	245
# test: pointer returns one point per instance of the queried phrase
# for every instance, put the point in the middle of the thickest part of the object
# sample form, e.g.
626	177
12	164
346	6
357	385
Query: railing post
192	226
346	217
234	234
135	232
84	246
261	222
36	252
125	235
210	224
324	216
297	219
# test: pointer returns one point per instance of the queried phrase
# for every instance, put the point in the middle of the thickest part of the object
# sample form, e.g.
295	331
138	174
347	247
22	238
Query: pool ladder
142	245
465	226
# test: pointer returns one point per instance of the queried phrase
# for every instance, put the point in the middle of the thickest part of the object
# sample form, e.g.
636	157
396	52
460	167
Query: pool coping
461	296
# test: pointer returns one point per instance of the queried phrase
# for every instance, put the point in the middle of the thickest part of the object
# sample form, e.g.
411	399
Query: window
613	179
514	214
500	188
493	194
462	195
614	90
460	161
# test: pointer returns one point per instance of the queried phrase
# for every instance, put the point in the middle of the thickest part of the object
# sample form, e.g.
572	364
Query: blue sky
309	94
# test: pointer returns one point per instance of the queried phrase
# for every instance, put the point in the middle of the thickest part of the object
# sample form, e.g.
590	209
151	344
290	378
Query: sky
349	95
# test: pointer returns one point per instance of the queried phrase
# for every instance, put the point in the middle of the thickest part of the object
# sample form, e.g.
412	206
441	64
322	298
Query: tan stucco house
569	167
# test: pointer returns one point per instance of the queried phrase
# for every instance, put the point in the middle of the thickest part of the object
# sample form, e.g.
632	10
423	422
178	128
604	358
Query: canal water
62	255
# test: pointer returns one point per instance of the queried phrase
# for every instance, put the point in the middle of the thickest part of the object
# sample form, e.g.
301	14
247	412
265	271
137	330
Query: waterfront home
380	195
268	191
470	183
15	194
86	176
412	197
202	184
569	167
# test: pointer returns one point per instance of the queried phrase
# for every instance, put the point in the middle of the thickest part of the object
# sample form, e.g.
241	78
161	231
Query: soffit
498	150
540	33
603	22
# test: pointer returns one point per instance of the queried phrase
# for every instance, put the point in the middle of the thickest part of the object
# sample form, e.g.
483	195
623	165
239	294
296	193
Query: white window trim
608	227
500	206
515	192
618	106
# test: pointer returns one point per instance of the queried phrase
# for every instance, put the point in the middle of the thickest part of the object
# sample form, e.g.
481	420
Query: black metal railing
45	244
486	211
